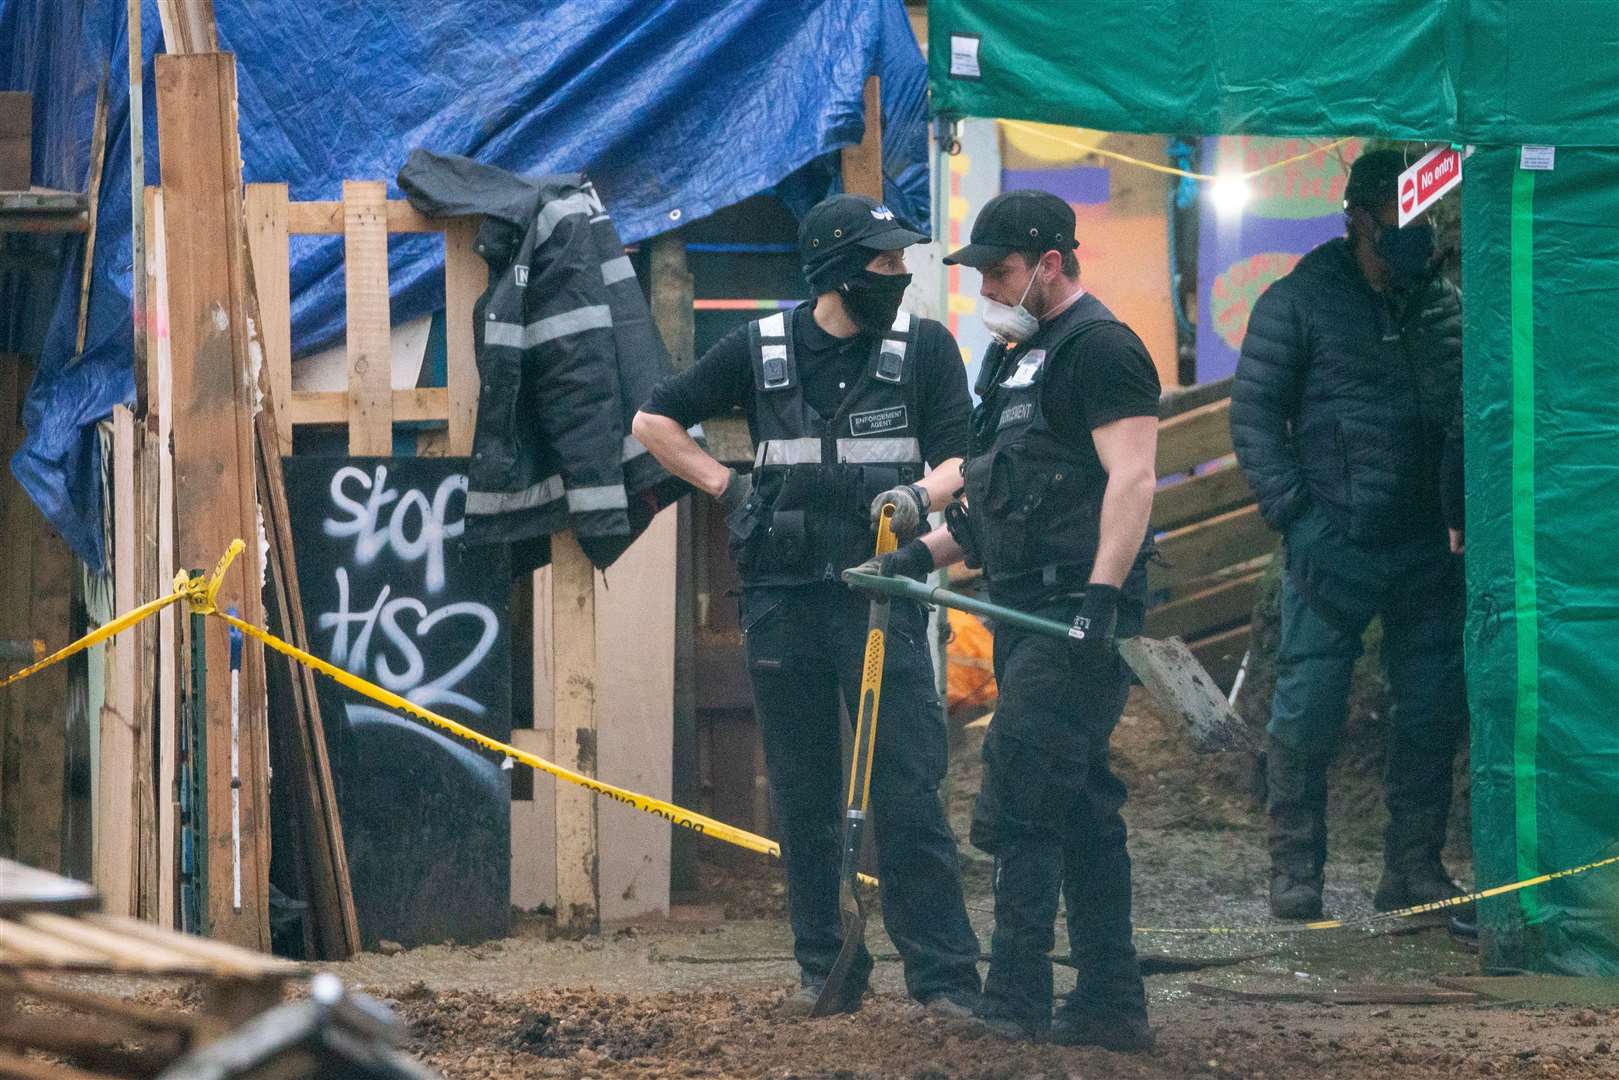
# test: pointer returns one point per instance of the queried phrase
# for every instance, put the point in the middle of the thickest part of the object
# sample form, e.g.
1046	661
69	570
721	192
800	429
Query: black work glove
913	560
910	502
736	492
1090	635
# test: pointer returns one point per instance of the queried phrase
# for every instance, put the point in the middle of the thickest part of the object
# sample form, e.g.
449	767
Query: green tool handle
911	589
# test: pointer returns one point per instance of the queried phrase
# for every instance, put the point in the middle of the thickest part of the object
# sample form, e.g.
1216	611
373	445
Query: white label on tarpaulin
964	56
1539	158
1428	180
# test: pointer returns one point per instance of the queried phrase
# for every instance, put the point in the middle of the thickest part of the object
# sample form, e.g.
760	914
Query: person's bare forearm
1126	509
942	483
943	547
678	452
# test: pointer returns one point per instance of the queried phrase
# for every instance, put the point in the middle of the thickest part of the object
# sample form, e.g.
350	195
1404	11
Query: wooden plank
1200	497
145	664
407	404
1190	439
369	336
131	954
466	276
160	415
1214	608
188	26
114	836
1180	399
266	210
98	151
92	1041
863	162
573	643
216	488
635	645
323	858
1201	549
323	218
1221	654
207	955
143	1015
1345	995
44	948
728	440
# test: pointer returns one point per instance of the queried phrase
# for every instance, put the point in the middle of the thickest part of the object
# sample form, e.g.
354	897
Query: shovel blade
1180	684
854	936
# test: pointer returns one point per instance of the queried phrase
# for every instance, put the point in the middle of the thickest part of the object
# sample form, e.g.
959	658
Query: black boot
1417	788
1298	831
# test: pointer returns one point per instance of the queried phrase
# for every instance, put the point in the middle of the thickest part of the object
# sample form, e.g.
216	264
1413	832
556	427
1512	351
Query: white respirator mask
1011	323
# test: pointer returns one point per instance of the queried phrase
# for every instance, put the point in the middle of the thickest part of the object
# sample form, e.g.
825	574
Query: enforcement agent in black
1059	486
848	400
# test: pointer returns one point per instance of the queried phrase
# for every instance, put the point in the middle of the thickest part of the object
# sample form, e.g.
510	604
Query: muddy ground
695	999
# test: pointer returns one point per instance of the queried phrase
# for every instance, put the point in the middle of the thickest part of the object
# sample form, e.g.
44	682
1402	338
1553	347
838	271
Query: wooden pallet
365	217
1212	542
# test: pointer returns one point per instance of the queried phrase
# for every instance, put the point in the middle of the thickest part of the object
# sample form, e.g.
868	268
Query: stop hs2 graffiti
384	636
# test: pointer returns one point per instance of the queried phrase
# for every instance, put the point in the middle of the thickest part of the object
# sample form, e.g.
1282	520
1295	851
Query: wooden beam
1216	608
160	424
466	276
574	674
266	210
1200	497
369	335
188	26
1182	399
416	403
672	313
216	489
325	218
1194	437
114	843
1221	654
1199	550
863	162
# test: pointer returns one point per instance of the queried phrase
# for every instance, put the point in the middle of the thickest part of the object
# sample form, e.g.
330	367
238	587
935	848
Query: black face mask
873	299
1407	252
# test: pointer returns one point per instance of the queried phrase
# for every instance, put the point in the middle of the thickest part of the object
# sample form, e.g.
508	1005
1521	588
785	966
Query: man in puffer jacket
1346	419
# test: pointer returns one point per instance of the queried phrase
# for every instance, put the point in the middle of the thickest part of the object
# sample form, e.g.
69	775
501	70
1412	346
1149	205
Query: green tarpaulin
1540	271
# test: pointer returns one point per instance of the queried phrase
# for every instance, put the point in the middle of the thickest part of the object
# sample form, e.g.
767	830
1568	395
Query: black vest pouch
787	542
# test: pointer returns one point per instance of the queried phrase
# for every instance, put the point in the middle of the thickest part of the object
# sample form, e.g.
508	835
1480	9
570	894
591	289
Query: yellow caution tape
1036	131
202	593
1385	916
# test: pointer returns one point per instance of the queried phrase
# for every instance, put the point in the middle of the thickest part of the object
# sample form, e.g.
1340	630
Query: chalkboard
390	594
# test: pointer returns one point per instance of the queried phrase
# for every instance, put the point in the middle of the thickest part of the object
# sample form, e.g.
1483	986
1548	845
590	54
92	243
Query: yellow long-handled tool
852	905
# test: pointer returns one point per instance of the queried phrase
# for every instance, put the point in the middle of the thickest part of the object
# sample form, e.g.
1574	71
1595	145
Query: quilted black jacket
566	352
1351	401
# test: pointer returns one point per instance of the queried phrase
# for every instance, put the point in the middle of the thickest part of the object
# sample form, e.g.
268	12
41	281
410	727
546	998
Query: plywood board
635	649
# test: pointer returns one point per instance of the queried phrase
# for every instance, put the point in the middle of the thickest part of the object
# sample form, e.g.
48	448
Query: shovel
1165	666
850	902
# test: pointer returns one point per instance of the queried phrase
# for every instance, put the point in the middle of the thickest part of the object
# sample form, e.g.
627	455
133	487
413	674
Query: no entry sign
1426	182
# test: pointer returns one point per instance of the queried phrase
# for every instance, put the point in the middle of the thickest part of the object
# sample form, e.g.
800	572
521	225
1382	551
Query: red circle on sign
1408	195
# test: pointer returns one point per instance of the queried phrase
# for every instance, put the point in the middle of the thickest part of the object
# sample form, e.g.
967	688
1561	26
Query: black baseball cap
1373	179
1018	221
844	221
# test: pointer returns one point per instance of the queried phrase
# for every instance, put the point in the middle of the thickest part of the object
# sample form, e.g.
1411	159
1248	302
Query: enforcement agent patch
893	418
1013	414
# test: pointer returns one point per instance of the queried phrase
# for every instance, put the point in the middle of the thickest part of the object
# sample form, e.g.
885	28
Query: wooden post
266	209
114	837
160	426
573	685
466	276
216	494
370	340
672	313
863	162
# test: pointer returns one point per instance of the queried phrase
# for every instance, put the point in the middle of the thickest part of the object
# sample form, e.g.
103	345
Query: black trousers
1049	811
805	646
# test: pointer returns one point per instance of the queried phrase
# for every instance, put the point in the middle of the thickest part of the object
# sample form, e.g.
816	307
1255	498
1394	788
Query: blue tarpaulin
675	109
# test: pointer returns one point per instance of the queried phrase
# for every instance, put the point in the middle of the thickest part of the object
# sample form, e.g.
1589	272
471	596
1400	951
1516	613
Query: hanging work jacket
1034	499
814	477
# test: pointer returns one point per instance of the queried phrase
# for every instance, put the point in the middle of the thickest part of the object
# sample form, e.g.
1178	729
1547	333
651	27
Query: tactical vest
1035	500
814	477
